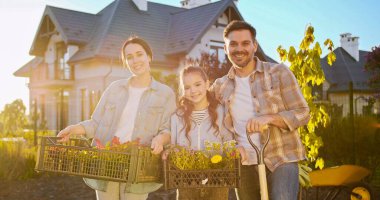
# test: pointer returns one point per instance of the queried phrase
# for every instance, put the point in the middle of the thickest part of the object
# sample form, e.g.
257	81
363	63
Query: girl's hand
243	154
159	141
165	154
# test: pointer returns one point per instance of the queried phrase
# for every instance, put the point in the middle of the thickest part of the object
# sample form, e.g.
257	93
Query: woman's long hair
186	107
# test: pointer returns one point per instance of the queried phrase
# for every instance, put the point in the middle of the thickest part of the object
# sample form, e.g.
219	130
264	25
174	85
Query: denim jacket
199	133
156	106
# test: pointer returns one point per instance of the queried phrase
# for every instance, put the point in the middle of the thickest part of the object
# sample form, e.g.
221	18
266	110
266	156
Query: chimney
141	4
350	44
193	3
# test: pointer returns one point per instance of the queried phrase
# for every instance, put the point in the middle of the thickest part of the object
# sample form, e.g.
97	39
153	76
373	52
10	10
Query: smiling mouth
239	55
137	67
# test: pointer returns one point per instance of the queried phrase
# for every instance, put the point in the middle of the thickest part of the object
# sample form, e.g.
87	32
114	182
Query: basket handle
51	140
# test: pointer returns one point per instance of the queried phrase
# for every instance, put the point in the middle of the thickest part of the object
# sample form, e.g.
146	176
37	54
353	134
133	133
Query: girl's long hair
186	107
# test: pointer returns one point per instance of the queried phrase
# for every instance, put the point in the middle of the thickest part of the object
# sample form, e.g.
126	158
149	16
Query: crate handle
87	142
52	141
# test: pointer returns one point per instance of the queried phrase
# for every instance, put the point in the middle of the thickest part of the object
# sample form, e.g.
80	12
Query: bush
347	143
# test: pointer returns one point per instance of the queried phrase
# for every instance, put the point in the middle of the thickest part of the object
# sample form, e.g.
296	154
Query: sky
277	22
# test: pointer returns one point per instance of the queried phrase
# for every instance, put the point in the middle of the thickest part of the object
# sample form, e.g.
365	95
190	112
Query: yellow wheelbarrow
344	178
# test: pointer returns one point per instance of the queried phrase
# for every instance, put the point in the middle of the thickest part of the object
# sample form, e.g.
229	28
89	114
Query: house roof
77	26
169	30
25	70
346	69
189	25
74	26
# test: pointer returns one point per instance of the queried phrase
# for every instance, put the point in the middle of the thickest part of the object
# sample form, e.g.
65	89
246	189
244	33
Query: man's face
240	47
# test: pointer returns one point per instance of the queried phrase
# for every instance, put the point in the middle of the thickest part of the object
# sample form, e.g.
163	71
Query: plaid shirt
274	91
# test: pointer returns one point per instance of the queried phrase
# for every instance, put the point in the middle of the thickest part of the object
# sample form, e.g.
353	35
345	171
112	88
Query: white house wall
92	76
343	99
214	33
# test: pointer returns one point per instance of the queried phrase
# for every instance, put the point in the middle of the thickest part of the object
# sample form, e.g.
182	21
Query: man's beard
244	63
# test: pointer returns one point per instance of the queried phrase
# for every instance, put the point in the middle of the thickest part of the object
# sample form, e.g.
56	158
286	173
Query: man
258	94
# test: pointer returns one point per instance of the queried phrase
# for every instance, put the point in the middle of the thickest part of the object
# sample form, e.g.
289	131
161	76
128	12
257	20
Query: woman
199	118
129	109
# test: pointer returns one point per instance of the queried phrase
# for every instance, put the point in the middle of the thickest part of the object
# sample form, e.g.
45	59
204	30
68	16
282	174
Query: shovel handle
261	165
260	152
263	182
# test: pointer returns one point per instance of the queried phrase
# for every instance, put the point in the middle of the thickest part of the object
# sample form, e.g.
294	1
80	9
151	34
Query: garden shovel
261	166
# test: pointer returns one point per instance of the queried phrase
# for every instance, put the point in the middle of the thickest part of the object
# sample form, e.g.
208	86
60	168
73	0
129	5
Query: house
77	54
348	69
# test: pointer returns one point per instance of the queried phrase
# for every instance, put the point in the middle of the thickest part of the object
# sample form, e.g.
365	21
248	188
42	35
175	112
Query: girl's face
195	89
137	59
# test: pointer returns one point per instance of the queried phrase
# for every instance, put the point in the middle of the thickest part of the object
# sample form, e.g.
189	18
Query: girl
199	118
138	107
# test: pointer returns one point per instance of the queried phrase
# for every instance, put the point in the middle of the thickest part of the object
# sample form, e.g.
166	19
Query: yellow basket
77	157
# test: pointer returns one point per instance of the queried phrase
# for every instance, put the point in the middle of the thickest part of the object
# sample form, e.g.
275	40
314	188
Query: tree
13	118
169	80
305	64
211	64
373	65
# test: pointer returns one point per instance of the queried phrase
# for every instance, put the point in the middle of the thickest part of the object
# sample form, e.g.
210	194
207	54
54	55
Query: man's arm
297	110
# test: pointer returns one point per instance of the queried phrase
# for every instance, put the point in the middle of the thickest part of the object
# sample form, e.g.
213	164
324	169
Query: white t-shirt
242	109
127	120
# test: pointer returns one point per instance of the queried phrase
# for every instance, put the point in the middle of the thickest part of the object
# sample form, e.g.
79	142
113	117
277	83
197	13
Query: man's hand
259	124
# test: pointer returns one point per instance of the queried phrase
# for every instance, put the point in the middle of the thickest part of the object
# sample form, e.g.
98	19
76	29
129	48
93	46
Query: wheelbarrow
344	178
261	165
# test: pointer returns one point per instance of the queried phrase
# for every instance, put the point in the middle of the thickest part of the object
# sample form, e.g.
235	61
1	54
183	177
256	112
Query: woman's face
137	59
195	88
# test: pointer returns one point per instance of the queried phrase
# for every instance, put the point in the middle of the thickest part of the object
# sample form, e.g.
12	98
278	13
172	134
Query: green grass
18	158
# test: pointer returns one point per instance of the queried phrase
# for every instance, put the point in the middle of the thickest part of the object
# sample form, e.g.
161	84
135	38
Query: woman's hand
159	141
71	130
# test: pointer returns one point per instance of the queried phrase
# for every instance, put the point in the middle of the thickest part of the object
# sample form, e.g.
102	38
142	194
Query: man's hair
236	25
139	41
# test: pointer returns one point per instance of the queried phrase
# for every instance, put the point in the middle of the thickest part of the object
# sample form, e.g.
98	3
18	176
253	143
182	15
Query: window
42	107
62	114
94	98
62	69
217	49
83	104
